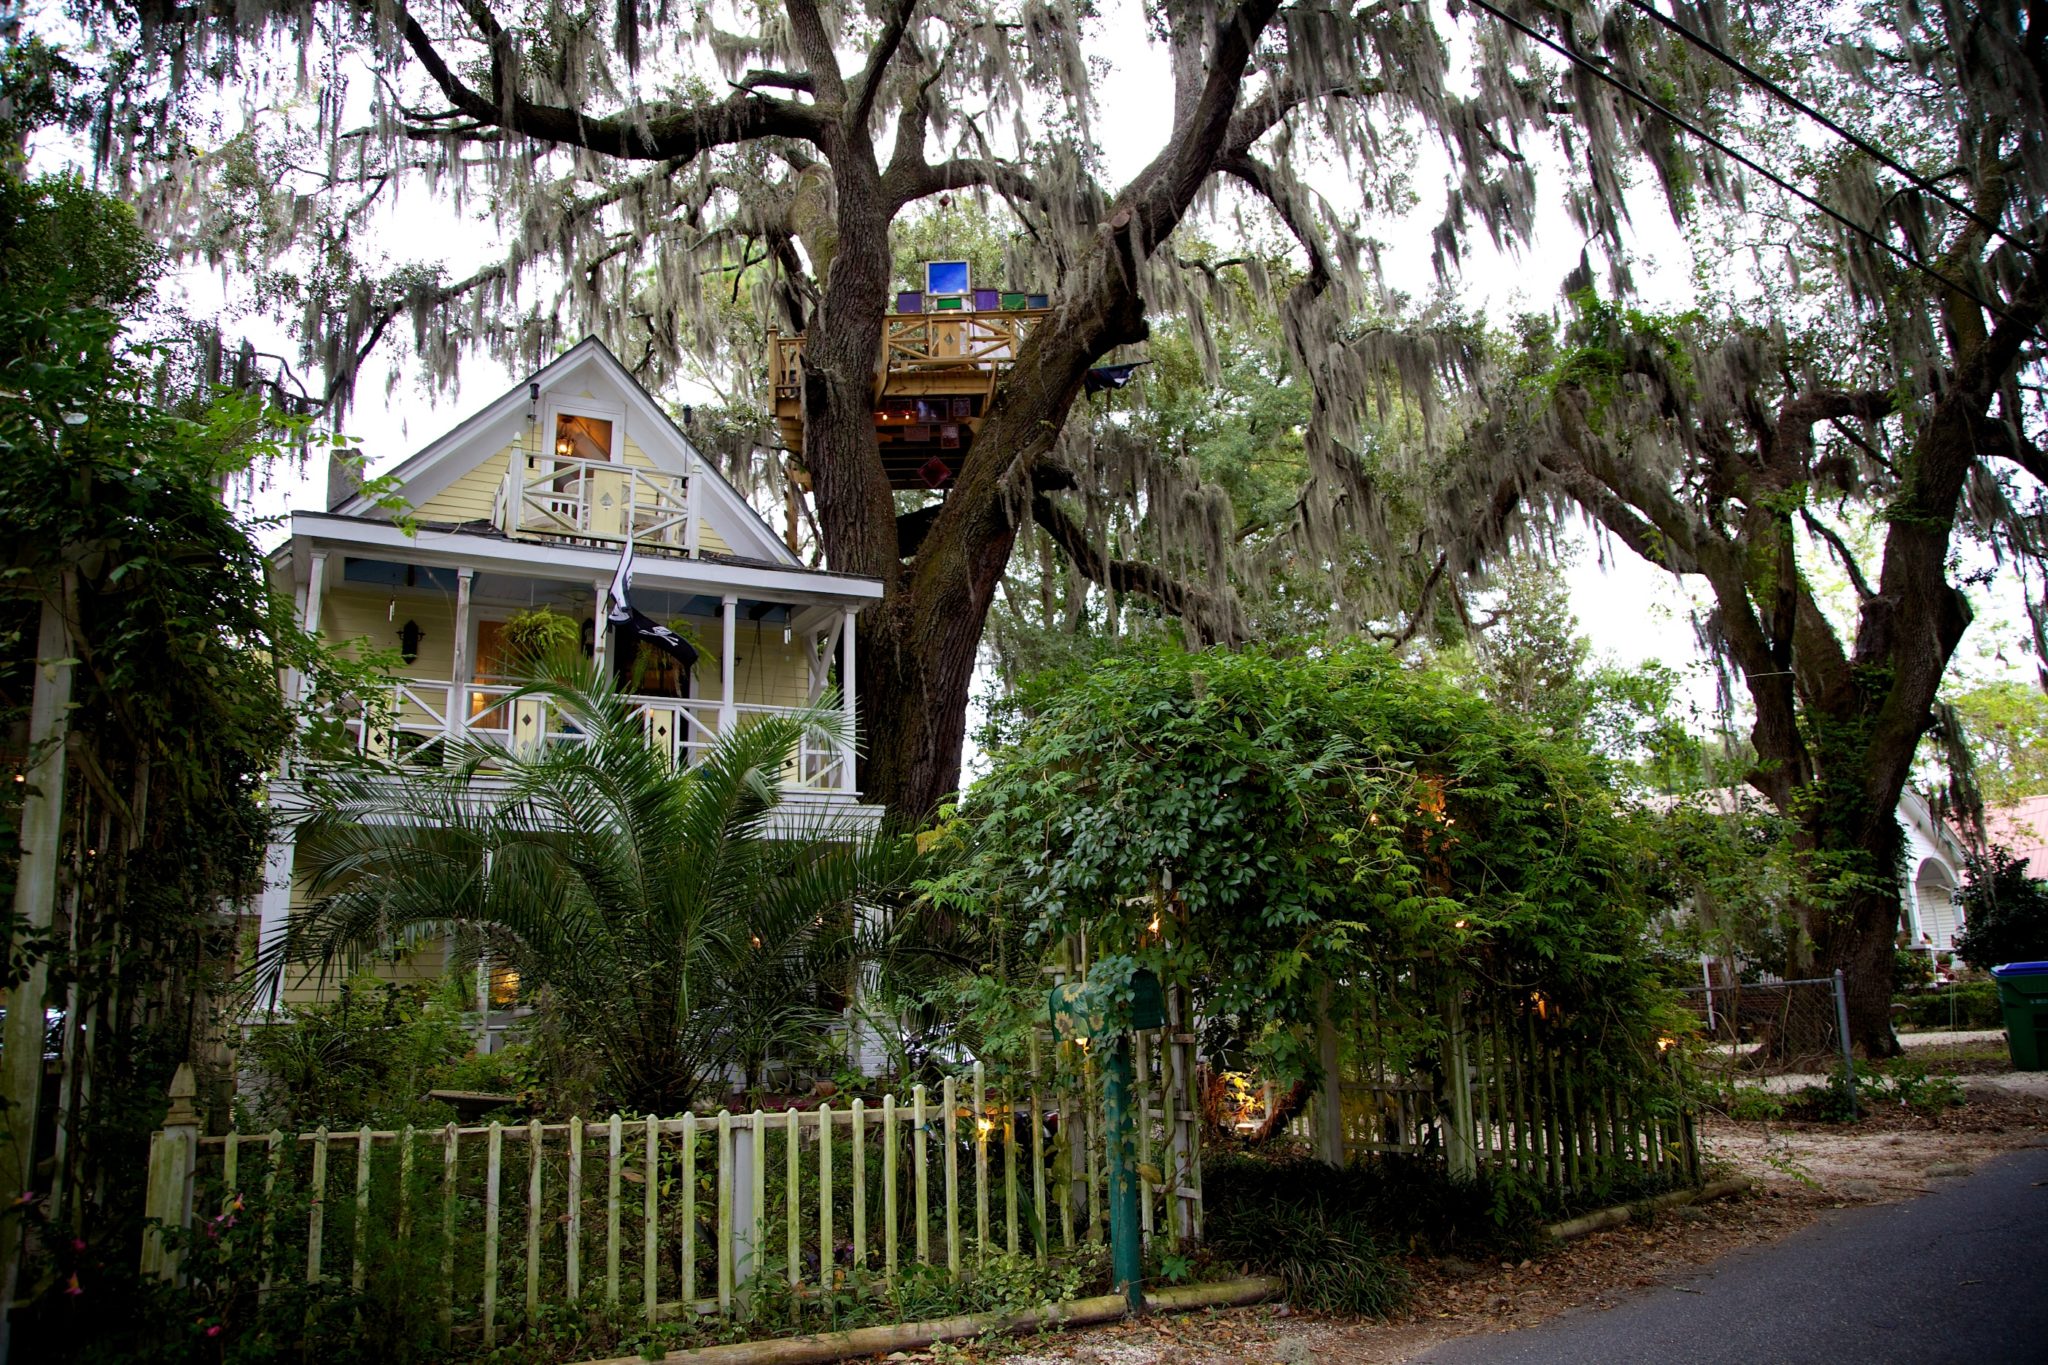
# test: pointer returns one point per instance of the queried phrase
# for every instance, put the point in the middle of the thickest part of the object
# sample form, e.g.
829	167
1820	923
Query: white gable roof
590	368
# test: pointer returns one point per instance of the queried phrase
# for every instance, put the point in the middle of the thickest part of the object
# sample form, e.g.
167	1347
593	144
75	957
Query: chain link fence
1771	1027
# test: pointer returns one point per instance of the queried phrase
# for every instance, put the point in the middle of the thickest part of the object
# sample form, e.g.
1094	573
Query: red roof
2023	828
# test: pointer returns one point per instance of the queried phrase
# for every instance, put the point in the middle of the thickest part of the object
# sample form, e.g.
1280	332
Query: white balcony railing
562	499
426	715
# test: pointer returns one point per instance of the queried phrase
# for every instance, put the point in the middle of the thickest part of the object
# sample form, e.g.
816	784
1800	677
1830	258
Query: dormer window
581	427
580	436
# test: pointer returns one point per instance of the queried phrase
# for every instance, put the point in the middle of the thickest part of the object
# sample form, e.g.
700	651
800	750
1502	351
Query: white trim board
571	563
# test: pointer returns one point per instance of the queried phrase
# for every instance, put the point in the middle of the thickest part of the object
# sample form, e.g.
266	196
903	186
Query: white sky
1630	611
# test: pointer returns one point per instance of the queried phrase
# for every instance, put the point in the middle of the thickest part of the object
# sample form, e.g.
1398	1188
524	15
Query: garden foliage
1260	826
2004	912
674	923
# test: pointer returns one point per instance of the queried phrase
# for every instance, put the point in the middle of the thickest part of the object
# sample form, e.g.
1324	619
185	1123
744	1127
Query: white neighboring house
1929	915
527	503
1929	918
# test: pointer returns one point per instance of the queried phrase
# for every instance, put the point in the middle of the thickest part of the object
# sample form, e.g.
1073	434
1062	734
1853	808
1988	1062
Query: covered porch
770	641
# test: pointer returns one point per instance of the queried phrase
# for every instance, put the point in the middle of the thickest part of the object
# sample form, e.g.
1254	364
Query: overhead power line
1854	139
1652	102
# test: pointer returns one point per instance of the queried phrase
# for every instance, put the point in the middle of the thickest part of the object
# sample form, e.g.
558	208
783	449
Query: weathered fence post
1460	1149
173	1161
1330	1103
1842	1032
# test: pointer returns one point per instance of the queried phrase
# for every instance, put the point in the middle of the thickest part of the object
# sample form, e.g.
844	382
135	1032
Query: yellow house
529	504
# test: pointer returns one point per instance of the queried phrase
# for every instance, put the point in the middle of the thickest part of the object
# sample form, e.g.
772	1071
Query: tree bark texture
919	644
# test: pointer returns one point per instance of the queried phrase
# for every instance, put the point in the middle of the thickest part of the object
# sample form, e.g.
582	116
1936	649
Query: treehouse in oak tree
944	350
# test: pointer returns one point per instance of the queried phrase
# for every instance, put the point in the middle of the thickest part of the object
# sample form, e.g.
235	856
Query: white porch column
463	669
728	716
316	592
846	694
274	910
309	618
601	625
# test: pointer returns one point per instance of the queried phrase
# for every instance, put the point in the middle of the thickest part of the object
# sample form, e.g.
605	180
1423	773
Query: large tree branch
1788	454
1214	617
2004	441
814	45
868	84
759	78
1268	185
639	135
909	183
1261	115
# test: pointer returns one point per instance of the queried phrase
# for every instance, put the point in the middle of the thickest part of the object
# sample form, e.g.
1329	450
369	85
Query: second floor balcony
422	721
553	497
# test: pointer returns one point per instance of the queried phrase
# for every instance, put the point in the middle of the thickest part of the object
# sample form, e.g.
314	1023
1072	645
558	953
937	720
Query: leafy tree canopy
2005	728
117	527
1261	826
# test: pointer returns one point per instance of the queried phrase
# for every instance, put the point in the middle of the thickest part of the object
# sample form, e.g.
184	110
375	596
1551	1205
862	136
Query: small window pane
583	438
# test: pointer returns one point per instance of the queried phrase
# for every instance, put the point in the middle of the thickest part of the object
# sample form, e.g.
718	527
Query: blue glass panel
945	277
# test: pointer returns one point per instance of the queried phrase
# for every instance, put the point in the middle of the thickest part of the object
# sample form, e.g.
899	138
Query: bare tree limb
1214	618
869	83
664	133
1842	553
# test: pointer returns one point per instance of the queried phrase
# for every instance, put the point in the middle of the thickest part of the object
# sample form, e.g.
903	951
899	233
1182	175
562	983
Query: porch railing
597	500
420	718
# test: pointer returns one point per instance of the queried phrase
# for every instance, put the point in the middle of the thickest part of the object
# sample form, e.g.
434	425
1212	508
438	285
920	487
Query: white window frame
557	408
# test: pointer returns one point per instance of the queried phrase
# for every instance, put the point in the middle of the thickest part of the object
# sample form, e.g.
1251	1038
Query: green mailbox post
1147	1010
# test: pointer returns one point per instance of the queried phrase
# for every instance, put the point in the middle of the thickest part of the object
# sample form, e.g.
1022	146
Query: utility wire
1642	97
1756	77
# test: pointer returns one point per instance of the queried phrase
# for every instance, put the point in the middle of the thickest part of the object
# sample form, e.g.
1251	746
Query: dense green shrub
1310	822
368	1056
1899	1085
2005	912
1911	969
1336	1236
1967	1004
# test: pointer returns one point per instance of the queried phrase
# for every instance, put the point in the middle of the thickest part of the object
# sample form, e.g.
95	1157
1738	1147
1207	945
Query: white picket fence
683	1214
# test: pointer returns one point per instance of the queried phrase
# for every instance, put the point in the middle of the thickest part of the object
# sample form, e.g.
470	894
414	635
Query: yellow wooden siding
423	964
634	455
472	497
766	672
366	619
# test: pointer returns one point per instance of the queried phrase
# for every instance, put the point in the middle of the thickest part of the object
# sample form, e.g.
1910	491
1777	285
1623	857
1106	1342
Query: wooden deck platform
933	382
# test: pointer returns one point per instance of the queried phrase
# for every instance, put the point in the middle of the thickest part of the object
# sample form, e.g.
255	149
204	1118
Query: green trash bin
2023	995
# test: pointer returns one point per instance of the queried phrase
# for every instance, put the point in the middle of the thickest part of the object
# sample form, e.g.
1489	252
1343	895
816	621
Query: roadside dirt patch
1799	1170
1890	1153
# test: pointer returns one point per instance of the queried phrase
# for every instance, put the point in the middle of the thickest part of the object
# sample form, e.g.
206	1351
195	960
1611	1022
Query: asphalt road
1959	1274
